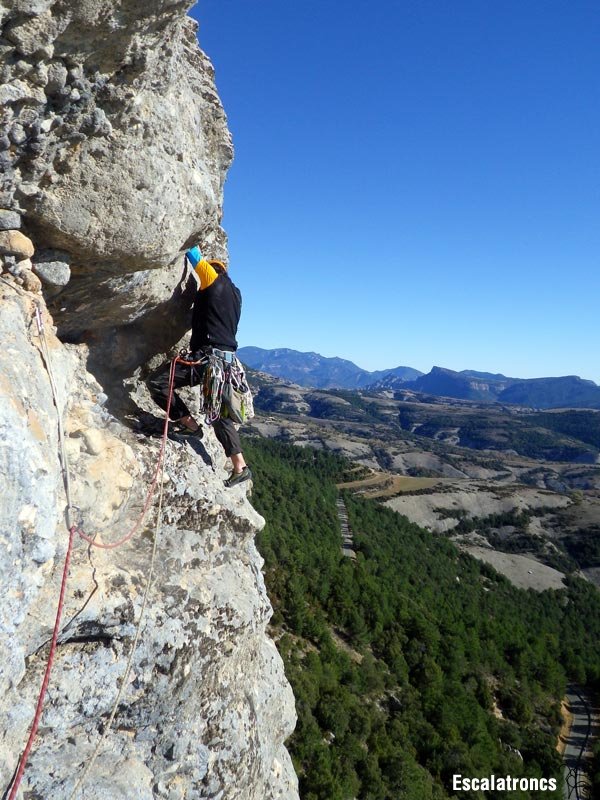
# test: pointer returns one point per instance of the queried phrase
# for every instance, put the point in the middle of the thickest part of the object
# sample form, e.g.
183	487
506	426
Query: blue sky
415	182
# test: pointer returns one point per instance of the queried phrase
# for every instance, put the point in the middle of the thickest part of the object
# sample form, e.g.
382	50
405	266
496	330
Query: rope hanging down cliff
76	529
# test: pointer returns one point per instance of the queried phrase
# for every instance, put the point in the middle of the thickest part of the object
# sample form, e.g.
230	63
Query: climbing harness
209	374
76	528
224	389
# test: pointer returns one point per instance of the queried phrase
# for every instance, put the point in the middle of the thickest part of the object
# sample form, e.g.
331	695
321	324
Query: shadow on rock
118	352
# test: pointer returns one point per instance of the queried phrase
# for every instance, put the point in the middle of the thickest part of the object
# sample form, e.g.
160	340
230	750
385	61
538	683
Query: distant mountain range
319	372
569	391
312	369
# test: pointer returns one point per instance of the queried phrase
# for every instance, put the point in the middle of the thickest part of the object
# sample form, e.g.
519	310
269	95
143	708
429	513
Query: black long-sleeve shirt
216	315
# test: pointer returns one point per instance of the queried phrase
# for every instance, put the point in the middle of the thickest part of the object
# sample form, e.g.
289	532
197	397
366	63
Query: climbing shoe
183	432
238	477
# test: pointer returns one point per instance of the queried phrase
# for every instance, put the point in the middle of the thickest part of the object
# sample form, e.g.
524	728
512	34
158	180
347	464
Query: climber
217	308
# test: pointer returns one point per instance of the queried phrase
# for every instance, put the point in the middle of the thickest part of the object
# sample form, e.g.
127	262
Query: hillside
461	385
413	662
540	393
566	392
505	483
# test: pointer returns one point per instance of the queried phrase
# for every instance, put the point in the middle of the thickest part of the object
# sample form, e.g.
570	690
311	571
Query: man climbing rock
215	318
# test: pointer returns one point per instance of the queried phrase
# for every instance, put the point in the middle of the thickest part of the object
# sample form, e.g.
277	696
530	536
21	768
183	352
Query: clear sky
416	182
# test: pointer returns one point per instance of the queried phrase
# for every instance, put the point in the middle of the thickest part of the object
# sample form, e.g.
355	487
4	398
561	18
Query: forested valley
414	662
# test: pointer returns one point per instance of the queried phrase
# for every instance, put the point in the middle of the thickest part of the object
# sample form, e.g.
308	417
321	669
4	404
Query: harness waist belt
226	355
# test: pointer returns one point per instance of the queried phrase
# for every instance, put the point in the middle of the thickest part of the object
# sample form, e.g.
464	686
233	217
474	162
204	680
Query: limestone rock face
207	707
113	153
115	146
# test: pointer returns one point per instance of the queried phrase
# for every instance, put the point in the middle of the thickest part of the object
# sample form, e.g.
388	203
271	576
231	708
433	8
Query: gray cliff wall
114	148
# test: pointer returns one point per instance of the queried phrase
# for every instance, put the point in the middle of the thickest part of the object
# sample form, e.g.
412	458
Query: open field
383	484
523	571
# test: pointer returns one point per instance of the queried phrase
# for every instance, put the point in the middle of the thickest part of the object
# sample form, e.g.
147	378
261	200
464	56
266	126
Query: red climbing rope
76	529
40	702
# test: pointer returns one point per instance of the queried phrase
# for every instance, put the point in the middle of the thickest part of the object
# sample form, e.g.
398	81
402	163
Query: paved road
584	730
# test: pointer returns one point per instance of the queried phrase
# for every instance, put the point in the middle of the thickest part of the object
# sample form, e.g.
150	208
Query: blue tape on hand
193	255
